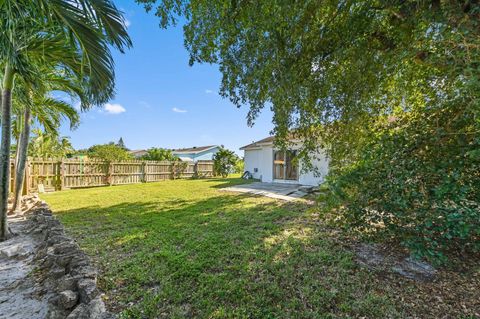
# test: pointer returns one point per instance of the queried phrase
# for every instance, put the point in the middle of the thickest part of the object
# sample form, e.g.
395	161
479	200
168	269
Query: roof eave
194	152
255	147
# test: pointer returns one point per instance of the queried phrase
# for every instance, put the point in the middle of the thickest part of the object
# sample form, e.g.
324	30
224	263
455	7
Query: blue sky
163	102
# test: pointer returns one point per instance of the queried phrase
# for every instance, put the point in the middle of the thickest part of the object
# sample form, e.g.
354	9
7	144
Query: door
291	169
284	166
279	165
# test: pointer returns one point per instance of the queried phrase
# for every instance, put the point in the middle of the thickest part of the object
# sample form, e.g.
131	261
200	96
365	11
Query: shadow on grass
229	181
223	256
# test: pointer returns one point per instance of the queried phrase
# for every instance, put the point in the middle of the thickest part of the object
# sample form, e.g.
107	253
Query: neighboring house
196	153
138	153
268	164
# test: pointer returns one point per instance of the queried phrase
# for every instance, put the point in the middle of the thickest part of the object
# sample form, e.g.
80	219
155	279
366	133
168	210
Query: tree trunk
22	146
5	149
18	138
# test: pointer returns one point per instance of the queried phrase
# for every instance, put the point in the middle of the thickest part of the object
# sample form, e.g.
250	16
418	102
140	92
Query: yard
183	249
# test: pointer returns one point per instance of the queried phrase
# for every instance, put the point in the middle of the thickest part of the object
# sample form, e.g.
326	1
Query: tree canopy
391	89
109	152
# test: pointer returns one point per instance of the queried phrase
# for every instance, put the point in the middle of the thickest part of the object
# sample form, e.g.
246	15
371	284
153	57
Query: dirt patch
21	296
43	272
376	258
421	290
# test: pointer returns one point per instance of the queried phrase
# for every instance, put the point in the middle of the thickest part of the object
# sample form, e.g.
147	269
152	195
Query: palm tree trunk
22	147
18	138
5	149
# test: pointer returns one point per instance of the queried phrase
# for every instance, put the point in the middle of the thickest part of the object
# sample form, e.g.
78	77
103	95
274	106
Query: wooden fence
53	174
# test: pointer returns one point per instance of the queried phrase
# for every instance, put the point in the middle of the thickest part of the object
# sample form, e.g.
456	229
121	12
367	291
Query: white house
271	165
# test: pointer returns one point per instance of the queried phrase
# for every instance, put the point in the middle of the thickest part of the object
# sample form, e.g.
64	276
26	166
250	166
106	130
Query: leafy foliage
159	154
109	152
416	182
239	166
73	37
390	89
224	162
178	168
48	145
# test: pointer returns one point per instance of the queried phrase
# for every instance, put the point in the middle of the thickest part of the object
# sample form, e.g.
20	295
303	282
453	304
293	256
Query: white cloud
209	91
114	108
127	23
177	110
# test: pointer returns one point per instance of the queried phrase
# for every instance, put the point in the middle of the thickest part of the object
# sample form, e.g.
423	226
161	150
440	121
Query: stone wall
63	270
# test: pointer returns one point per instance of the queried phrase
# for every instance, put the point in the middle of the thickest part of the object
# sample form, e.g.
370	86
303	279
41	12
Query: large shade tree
33	32
390	88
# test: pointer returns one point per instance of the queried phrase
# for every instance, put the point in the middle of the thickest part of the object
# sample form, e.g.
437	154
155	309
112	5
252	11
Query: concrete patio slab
287	192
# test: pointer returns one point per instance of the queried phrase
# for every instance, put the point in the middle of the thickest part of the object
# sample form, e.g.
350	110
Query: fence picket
59	174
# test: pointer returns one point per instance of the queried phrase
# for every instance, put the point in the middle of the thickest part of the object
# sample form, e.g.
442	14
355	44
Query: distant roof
138	151
195	149
185	159
266	141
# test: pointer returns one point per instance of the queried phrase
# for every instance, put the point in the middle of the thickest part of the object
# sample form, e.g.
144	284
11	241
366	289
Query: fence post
144	173
62	177
109	173
172	168
59	177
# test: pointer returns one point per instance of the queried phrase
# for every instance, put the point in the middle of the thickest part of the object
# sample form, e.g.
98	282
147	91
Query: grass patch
183	249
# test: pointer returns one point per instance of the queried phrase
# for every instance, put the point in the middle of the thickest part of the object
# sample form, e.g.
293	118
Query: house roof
185	159
138	151
266	141
194	150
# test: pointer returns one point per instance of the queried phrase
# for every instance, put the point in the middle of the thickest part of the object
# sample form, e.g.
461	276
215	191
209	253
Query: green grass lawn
183	249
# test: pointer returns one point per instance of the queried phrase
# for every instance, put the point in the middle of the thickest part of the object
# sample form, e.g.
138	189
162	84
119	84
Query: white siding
262	160
314	178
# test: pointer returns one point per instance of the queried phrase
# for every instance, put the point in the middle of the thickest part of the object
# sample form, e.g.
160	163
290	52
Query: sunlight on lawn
183	249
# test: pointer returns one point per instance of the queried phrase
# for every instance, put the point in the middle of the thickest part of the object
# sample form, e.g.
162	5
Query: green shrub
416	182
224	162
239	166
159	154
109	152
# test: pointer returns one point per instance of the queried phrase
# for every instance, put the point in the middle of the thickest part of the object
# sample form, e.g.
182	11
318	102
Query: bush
239	166
159	154
224	162
417	183
109	152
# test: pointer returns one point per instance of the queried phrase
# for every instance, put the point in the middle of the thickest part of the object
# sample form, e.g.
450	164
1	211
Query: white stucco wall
262	159
314	178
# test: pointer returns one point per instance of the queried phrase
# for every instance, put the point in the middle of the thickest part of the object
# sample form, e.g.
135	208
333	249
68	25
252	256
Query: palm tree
47	112
33	32
47	145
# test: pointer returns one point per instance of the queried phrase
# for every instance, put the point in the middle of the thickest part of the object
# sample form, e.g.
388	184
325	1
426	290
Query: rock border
63	269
